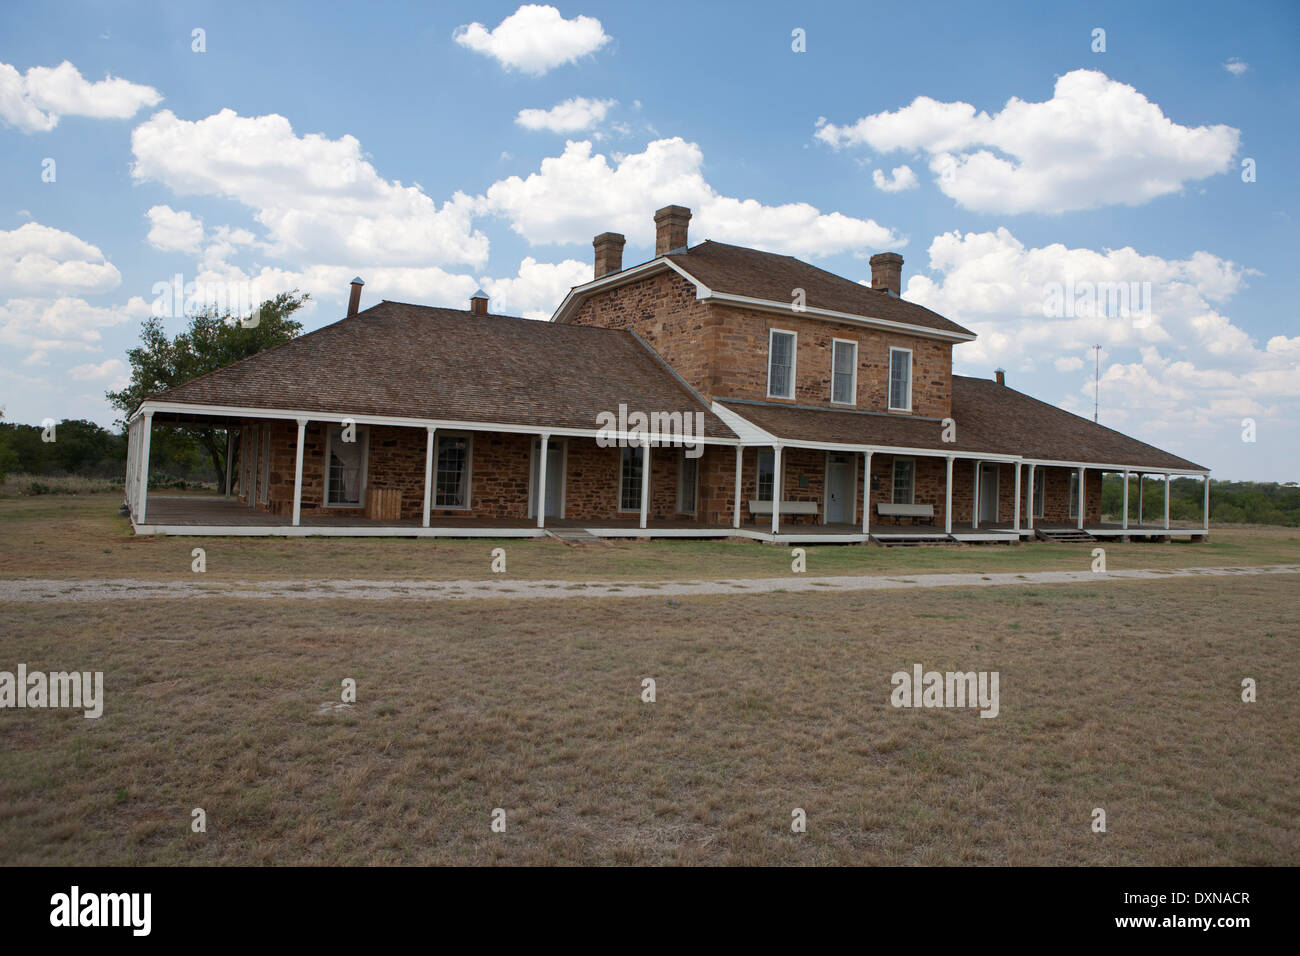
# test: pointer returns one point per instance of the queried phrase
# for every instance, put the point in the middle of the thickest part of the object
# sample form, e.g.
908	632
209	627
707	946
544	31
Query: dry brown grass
1124	696
51	537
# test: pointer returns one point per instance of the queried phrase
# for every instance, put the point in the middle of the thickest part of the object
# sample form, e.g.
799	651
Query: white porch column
1080	497
1125	525
975	507
1140	477
1015	508
145	434
866	492
428	472
1206	506
740	459
230	454
541	482
947	500
1166	501
1029	512
777	490
297	472
645	481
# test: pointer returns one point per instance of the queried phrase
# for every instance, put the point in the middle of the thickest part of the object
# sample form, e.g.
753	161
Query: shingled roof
990	418
735	270
418	362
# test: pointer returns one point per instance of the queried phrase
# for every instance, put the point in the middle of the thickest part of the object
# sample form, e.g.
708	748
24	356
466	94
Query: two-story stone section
713	390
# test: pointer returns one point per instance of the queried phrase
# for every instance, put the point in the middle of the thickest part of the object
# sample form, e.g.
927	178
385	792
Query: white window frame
889	385
893	481
1073	511
469	470
363	438
758	472
853	374
622	455
681	484
1039	494
794	360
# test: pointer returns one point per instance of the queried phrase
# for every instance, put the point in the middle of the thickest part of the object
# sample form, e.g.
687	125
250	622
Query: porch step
905	541
1073	535
577	537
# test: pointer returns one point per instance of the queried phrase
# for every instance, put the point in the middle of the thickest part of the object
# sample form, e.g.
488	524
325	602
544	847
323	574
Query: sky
1121	175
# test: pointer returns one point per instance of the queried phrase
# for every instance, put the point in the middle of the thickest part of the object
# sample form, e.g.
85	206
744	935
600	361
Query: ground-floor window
1040	486
451	482
765	474
345	478
904	481
1074	494
688	475
629	493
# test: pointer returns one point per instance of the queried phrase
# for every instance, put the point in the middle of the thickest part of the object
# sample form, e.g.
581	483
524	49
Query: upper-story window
900	380
780	364
844	372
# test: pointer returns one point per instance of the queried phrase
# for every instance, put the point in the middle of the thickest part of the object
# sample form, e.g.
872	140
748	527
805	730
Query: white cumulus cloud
1236	66
1096	142
899	179
44	260
571	116
174	230
34	101
534	39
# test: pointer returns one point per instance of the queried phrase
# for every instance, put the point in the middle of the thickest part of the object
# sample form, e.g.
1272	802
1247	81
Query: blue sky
433	149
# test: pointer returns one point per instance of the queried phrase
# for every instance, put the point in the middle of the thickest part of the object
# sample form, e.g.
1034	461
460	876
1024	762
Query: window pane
686	487
903	482
451	487
845	357
630	482
900	380
1038	493
1074	494
764	476
781	362
345	468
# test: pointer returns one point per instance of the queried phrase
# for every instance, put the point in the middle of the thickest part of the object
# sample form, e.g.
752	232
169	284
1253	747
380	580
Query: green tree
211	342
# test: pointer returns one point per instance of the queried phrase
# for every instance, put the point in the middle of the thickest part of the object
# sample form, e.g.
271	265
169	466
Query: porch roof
416	362
990	418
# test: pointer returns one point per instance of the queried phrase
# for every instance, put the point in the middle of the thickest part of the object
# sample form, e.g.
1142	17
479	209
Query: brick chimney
670	229
887	272
1000	376
354	300
609	253
478	303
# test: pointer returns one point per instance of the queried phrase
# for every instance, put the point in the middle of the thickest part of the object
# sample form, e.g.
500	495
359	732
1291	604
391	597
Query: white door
989	494
839	490
554	477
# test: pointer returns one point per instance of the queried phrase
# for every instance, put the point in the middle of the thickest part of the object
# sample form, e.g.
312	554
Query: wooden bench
787	507
911	512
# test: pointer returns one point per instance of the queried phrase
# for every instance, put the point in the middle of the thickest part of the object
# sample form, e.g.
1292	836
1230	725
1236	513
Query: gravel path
131	589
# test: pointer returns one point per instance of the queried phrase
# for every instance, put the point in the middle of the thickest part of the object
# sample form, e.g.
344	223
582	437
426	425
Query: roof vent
478	303
1000	376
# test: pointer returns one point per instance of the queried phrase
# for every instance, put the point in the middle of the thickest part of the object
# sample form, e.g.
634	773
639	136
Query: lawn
1124	696
83	536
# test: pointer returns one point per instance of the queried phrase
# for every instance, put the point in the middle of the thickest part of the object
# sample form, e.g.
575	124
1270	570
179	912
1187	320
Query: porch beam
428	472
1015	497
740	459
1167	477
1081	497
541	481
230	455
297	472
776	488
866	493
645	482
145	435
1125	523
947	499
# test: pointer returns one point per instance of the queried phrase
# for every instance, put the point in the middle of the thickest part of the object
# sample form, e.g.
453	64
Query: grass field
48	537
1124	697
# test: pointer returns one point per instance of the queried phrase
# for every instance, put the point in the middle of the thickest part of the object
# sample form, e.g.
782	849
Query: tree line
1231	502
